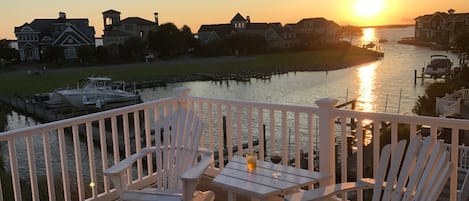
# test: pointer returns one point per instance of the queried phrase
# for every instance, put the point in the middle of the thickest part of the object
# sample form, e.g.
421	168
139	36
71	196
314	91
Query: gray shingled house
35	37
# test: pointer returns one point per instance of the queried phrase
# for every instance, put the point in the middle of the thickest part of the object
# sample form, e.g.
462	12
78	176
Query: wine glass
276	158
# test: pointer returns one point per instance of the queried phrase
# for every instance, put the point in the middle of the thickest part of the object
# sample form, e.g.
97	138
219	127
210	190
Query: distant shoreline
389	26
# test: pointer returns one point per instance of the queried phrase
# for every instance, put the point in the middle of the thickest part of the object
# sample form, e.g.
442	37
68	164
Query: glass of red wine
276	158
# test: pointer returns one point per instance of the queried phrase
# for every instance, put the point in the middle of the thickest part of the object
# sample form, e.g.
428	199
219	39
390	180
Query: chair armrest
127	162
327	191
200	167
191	176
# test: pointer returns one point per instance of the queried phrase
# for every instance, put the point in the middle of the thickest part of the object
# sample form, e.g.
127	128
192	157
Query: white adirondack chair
178	159
420	175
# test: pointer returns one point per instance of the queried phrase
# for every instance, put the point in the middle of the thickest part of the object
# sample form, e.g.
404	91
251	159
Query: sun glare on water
368	8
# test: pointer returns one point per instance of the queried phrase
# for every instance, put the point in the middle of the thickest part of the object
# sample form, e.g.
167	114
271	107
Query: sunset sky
194	13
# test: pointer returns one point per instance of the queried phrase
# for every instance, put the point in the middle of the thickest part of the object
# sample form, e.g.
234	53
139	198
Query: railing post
327	138
183	97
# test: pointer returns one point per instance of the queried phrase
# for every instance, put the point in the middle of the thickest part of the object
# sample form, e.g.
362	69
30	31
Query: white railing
59	160
464	93
452	103
463	153
449	104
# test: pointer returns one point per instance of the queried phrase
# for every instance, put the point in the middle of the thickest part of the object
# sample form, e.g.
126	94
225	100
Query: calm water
385	86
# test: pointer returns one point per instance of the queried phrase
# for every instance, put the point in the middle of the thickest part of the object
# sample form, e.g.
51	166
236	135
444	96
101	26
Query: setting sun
368	8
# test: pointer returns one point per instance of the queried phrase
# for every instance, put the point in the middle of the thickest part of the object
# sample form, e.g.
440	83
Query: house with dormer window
271	32
35	37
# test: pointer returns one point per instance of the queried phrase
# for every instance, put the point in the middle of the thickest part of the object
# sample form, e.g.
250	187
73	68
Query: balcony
64	160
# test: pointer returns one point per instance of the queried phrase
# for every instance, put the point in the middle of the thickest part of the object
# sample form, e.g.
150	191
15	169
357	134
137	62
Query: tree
351	32
462	40
190	42
86	53
101	54
168	40
135	48
246	43
54	54
7	52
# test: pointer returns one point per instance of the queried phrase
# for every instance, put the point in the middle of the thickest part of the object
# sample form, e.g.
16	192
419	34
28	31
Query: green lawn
22	84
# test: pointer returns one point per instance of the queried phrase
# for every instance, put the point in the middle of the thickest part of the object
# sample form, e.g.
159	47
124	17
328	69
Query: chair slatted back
420	174
178	135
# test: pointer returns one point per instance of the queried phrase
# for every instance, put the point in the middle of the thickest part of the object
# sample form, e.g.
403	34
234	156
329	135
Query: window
70	53
29	52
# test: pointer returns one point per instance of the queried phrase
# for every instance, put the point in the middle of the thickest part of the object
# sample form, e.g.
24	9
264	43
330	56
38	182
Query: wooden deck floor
221	194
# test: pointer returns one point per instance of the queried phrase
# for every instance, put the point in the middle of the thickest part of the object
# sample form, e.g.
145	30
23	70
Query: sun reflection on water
368	35
366	96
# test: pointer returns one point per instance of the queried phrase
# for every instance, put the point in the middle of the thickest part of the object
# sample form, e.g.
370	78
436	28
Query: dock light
92	184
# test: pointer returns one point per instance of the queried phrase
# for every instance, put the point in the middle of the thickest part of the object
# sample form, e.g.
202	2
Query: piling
224	132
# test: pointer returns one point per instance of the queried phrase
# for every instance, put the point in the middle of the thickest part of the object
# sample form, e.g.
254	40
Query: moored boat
98	92
439	66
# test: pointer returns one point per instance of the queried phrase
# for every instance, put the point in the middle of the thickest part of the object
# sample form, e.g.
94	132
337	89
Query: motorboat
439	65
98	92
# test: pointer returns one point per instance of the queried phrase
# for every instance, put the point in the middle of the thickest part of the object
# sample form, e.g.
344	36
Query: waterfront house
276	35
117	31
441	27
325	31
35	37
271	32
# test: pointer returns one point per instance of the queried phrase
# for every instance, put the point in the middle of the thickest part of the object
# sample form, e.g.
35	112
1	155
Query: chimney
156	19
248	19
62	15
451	11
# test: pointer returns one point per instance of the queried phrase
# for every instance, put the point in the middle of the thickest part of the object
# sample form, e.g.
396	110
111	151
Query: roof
458	17
111	11
137	20
318	21
423	17
46	27
257	26
238	17
221	29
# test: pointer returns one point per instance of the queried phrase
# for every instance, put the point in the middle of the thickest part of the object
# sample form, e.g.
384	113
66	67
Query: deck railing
64	160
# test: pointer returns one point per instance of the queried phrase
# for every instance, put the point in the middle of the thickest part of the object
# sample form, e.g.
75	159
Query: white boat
98	92
439	65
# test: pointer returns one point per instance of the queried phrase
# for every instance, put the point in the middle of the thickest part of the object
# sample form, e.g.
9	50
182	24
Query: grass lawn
24	85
